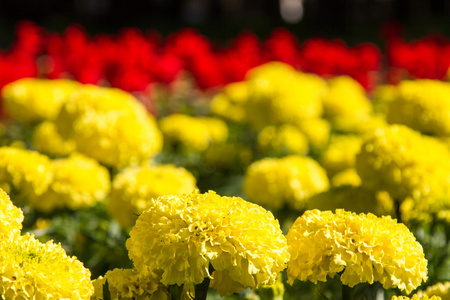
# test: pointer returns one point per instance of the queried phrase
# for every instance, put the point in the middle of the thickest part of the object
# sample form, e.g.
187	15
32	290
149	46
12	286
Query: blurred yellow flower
317	131
32	270
347	177
78	182
282	140
416	297
440	289
31	100
229	104
109	125
11	218
134	188
129	284
278	94
365	248
422	105
340	154
404	163
27	172
346	100
192	134
181	236
47	140
272	182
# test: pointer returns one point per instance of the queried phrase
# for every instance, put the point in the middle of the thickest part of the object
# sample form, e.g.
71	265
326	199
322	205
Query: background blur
219	20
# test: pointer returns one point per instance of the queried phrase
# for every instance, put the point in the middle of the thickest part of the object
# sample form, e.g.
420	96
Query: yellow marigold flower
78	182
31	100
193	134
32	270
346	177
345	99
340	153
352	198
117	139
28	172
129	284
416	297
404	163
440	289
180	236
422	105
281	95
282	140
317	131
365	248
272	182
229	104
47	140
92	99
134	187
11	218
228	156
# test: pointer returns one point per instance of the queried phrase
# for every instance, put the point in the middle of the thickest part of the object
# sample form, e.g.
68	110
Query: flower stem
347	292
201	290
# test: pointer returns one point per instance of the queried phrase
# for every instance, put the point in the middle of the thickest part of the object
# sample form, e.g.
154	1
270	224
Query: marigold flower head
11	218
416	297
47	140
193	134
78	182
345	98
28	172
365	248
180	236
229	104
347	177
32	270
134	188
317	131
272	182
282	140
129	284
340	153
281	95
404	163
117	138
422	105
94	99
440	289
31	100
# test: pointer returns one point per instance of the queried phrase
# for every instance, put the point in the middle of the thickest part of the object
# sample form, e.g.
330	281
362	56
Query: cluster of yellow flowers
365	248
107	124
129	284
180	237
192	134
404	163
32	100
282	140
440	289
272	182
134	188
422	105
340	153
415	297
30	269
45	184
